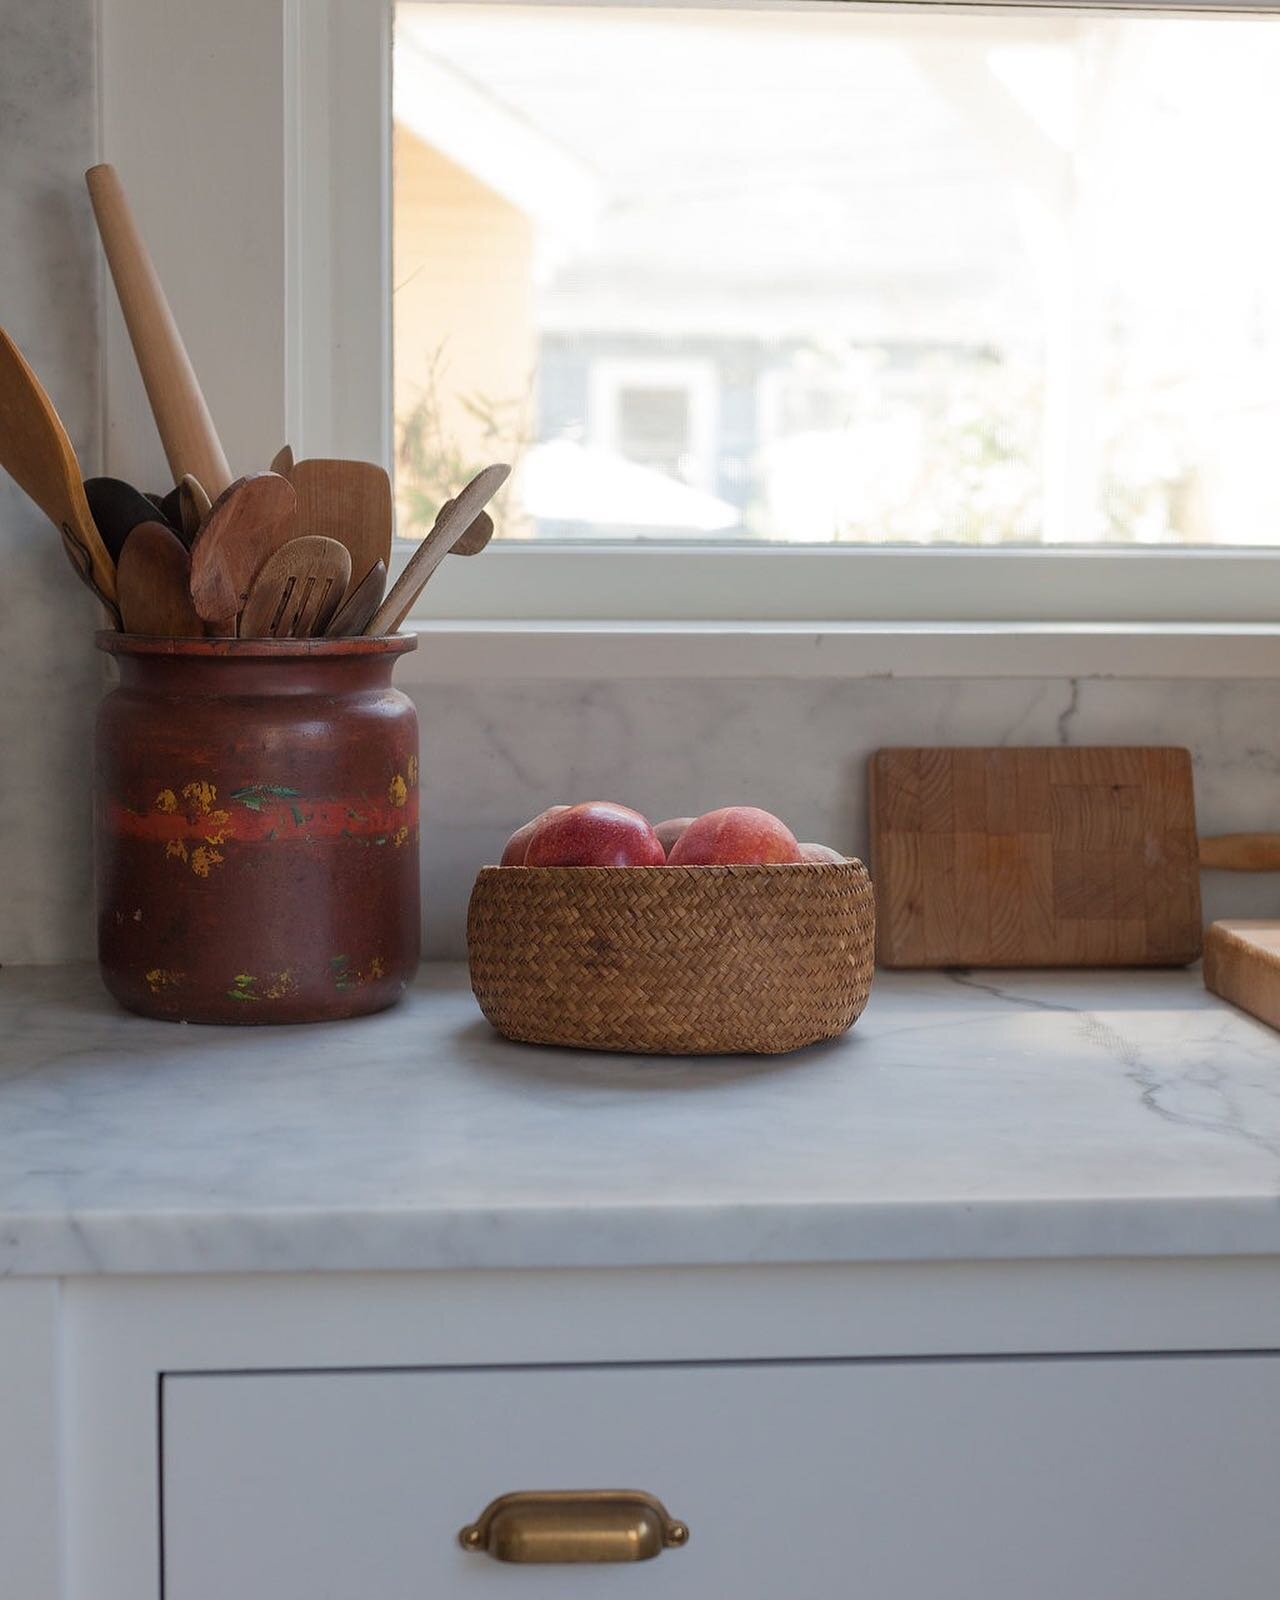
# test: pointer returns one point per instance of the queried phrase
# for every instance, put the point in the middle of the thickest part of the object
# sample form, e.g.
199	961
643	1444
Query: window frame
306	168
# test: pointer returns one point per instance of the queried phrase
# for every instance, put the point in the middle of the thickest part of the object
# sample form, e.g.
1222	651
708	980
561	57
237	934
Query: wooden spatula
356	611
297	590
153	580
450	526
182	417
247	523
35	451
118	508
349	501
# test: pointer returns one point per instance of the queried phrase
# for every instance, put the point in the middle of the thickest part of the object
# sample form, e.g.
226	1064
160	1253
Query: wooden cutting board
1035	857
1242	964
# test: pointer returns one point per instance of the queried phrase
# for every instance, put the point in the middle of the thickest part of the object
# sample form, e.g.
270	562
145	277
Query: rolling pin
186	428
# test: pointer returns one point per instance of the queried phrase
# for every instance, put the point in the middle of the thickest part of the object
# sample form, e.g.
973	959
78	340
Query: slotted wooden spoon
35	451
297	590
153	579
247	523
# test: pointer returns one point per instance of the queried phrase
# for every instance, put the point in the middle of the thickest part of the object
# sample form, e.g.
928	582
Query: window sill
464	651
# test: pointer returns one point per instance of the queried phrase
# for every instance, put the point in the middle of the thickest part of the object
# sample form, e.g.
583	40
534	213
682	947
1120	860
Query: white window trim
271	232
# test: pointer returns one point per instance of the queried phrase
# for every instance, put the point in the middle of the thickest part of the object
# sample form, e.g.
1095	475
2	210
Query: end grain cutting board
1242	964
1035	857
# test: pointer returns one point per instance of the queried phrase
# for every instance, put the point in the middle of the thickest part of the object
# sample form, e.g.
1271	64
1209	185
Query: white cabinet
1046	1478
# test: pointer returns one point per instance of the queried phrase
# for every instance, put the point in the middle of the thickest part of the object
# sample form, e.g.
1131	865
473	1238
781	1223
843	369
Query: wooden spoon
186	428
349	501
449	527
282	461
118	508
476	537
153	579
356	611
247	523
35	451
297	590
193	508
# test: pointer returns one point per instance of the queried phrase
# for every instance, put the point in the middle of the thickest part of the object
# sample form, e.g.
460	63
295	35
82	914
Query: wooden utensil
193	507
449	527
282	461
1242	964
1035	857
35	451
186	429
297	590
153	580
349	501
476	537
356	611
117	509
247	523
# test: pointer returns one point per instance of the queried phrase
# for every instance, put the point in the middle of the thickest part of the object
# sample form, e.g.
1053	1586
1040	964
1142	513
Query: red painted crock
256	811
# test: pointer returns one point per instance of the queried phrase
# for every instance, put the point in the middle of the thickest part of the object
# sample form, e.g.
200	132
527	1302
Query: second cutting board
1035	857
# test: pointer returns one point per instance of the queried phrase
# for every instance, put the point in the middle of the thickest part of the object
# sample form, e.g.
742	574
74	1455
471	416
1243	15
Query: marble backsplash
49	673
494	753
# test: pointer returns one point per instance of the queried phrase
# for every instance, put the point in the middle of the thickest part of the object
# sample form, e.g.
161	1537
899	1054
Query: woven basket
673	960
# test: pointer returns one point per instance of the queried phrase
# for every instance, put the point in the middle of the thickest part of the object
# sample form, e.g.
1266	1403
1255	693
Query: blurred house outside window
815	277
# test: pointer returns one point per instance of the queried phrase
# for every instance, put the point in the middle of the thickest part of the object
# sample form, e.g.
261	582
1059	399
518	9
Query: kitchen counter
989	1116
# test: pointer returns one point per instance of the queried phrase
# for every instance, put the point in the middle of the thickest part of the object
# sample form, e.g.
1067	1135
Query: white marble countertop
991	1116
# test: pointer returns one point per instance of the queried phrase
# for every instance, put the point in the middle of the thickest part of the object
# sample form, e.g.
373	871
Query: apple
821	853
596	834
735	834
670	830
515	847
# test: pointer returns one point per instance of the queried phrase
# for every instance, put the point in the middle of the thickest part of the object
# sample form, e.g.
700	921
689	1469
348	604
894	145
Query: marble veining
967	1116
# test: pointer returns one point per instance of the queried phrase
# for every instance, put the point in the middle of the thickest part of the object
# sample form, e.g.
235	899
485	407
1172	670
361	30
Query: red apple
741	834
670	830
518	843
821	853
597	834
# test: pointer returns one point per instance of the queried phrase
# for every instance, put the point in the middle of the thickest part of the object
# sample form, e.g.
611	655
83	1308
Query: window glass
839	276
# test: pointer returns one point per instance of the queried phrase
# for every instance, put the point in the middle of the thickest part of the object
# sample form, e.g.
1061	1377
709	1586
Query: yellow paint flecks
218	821
397	790
400	836
281	984
161	978
412	770
176	848
204	859
166	800
376	968
199	795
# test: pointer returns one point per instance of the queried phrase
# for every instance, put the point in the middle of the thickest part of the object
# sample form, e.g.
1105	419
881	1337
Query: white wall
49	677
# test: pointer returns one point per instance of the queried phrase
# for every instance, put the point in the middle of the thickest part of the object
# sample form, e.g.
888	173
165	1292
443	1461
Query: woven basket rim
727	869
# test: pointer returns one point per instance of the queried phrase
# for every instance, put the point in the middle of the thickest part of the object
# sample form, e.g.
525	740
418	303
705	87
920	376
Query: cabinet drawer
1094	1478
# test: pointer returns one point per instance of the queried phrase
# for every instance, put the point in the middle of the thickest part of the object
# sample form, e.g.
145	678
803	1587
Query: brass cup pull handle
576	1525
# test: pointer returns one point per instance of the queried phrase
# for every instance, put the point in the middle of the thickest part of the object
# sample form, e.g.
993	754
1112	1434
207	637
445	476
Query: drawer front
1061	1479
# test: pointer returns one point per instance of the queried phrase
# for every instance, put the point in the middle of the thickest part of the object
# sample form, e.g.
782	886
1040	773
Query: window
1008	352
836	276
